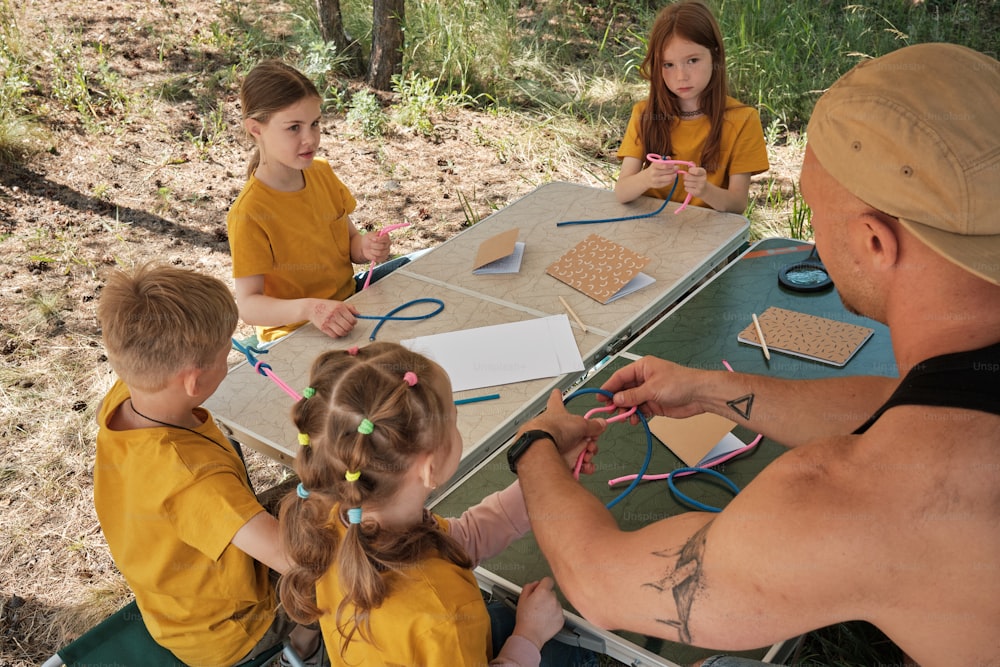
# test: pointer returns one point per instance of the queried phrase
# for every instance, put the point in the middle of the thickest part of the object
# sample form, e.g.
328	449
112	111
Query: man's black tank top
968	380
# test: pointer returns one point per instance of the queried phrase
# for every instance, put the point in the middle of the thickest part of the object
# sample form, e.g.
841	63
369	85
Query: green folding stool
122	639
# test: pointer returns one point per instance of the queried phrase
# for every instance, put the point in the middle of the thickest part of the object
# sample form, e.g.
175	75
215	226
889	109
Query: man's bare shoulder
896	526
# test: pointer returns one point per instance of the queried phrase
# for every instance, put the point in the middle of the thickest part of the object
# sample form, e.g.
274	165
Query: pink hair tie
410	378
353	351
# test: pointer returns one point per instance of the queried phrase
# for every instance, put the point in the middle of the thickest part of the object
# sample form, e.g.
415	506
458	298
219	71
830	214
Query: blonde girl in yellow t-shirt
290	231
391	583
689	116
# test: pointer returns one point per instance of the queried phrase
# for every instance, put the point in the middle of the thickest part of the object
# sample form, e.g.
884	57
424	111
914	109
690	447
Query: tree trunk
331	26
387	43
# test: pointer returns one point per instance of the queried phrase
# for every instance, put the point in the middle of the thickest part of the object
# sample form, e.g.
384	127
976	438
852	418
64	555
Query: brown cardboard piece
690	439
496	247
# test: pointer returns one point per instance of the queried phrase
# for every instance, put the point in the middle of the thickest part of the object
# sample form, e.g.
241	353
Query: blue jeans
554	653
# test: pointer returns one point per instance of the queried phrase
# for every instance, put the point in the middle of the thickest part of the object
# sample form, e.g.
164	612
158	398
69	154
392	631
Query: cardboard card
496	247
808	336
598	267
691	439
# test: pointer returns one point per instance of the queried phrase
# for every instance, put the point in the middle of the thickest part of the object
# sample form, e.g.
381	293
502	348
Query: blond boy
171	491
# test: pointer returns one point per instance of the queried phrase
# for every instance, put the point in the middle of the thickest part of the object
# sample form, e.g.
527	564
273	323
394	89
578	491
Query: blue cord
645	464
691	501
629	217
390	315
649	442
248	352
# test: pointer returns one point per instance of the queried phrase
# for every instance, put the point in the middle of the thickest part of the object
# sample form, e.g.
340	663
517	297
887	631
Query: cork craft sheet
599	268
808	336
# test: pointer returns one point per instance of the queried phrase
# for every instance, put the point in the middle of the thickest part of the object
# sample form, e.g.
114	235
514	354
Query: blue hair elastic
354	515
301	491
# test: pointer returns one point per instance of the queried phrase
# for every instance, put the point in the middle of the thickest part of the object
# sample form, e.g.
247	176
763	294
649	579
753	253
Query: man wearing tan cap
896	520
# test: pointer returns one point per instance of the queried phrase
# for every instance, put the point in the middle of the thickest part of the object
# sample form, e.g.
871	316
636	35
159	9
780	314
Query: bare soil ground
131	185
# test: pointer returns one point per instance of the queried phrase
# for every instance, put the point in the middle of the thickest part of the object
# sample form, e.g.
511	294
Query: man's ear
881	240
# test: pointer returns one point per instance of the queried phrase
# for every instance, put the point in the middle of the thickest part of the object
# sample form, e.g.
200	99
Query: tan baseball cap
916	134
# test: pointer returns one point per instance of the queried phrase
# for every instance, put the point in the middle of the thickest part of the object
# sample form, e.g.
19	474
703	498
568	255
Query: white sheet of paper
637	283
729	443
503	353
509	264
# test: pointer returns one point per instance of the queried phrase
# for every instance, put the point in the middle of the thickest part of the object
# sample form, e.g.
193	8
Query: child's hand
661	175
695	180
334	318
376	246
539	616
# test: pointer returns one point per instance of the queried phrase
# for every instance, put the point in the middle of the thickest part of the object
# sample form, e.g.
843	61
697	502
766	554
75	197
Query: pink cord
278	381
381	232
611	420
708	464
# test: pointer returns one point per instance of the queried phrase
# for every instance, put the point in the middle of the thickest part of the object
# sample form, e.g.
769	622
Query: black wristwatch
521	445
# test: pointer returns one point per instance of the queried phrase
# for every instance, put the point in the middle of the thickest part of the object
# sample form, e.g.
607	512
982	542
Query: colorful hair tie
353	351
352	476
354	515
308	392
301	491
366	427
304	439
410	378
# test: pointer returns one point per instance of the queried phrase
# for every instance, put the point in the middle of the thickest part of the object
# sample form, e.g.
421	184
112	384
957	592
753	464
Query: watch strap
522	444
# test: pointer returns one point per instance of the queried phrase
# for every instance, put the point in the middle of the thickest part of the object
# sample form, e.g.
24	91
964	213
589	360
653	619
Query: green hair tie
308	392
365	427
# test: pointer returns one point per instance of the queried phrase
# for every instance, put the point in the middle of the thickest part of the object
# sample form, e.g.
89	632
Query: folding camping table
682	248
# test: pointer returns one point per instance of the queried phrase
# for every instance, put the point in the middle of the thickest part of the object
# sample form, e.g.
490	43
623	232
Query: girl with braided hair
389	582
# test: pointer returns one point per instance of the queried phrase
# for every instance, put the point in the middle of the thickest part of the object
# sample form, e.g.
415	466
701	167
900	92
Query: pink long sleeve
517	652
488	528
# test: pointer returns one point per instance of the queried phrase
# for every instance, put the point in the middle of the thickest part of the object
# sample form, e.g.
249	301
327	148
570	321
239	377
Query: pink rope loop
611	420
410	378
611	408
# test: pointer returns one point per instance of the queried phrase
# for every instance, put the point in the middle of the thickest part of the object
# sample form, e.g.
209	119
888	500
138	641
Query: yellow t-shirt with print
299	241
742	150
434	615
169	503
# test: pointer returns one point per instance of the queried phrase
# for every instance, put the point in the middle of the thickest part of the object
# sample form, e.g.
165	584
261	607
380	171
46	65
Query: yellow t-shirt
169	503
299	241
742	150
434	615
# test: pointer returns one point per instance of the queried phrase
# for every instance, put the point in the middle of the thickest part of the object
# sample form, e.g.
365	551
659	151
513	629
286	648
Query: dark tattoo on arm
742	405
682	580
